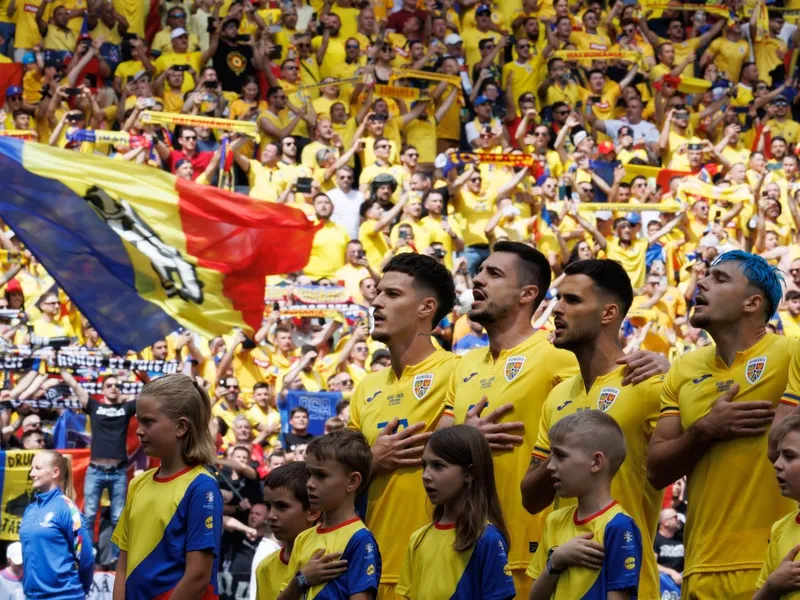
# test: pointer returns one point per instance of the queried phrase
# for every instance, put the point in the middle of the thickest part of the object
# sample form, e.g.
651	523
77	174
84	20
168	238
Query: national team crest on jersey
755	369
606	398
422	383
513	368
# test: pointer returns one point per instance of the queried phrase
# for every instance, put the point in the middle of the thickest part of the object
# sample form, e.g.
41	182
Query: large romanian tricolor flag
141	252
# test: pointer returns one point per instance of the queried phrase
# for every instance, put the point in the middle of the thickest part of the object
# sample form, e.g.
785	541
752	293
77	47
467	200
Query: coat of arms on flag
755	369
422	383
513	367
606	398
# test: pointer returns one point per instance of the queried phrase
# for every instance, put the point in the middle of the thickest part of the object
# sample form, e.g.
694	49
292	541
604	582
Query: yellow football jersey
271	575
734	497
791	396
522	376
785	535
417	396
635	408
434	570
615	530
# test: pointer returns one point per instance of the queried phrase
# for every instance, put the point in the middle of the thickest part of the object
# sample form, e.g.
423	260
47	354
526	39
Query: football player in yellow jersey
721	443
594	298
398	408
513	377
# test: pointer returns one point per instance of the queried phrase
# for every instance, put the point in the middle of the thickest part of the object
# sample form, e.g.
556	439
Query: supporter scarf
712	9
628	207
399	92
510	160
72	360
161	118
597	55
45	403
691	186
117	138
351	312
22	134
427	75
336	83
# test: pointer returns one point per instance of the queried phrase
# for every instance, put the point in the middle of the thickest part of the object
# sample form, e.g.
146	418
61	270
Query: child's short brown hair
348	447
293	477
593	431
783	428
334	424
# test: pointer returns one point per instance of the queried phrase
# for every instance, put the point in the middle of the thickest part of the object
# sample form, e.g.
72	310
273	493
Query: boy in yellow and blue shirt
594	548
339	559
780	575
289	514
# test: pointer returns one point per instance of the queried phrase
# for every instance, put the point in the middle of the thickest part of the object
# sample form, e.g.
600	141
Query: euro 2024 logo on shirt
755	369
513	367
422	384
607	397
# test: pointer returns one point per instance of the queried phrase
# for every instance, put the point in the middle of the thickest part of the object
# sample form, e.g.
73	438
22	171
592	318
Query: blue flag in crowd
321	406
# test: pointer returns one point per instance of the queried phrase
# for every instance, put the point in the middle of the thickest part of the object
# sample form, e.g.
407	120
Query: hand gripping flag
140	251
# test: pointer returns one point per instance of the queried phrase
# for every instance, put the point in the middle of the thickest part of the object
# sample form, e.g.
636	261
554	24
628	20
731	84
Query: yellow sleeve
262	574
669	395
561	365
450	396
792	394
403	588
539	561
355	404
652	403
772	561
541	449
120	536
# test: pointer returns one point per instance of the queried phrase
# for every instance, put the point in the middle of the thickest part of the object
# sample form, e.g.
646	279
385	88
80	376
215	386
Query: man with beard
512	377
233	60
398	408
593	300
716	408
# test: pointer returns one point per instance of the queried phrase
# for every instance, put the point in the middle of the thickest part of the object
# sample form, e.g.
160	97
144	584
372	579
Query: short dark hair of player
347	447
792	295
592	431
467	447
609	276
431	276
292	476
298	409
260	385
533	267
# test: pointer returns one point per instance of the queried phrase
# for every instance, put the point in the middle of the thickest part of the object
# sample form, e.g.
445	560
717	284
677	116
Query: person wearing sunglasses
108	466
187	141
781	124
162	42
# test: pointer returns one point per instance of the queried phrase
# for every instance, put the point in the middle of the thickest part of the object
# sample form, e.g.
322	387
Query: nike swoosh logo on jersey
471	375
701	379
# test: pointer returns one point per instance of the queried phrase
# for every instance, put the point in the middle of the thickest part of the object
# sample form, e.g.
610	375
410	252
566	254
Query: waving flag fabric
140	251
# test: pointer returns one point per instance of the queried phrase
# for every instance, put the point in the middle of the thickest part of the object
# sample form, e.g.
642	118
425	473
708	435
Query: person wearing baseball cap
176	19
11	576
182	57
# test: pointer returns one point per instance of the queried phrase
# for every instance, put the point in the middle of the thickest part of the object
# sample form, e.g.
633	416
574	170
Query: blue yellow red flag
140	251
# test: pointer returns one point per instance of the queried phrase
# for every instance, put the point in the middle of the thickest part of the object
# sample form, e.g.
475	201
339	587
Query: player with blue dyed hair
760	274
717	405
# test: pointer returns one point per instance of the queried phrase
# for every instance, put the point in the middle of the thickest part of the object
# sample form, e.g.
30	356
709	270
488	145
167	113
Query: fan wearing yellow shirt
681	49
56	36
511	377
790	317
180	56
484	29
590	39
729	52
631	253
162	42
594	299
398	408
330	242
559	86
524	71
372	231
770	50
602	94
717	405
